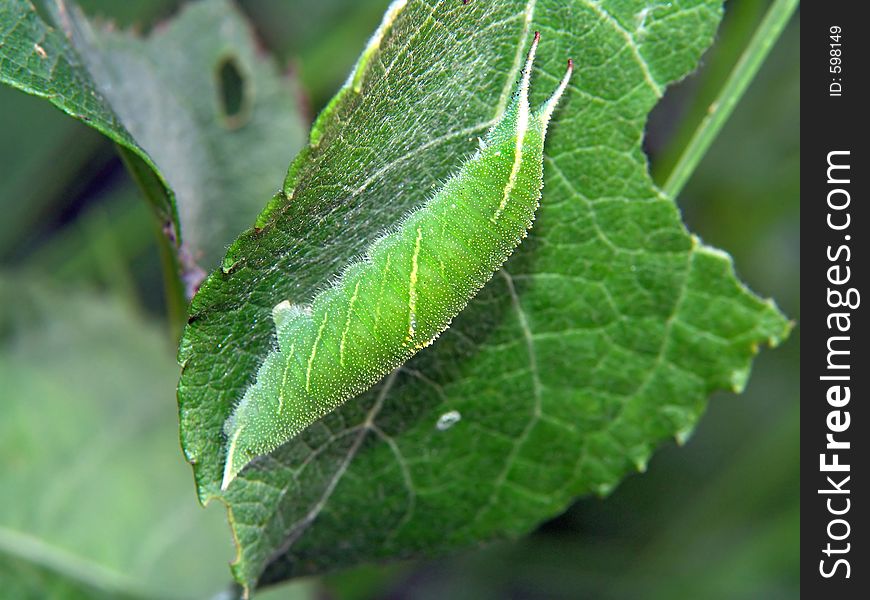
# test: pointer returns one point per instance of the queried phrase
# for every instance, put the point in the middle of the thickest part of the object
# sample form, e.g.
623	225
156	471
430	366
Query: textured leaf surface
94	498
602	336
163	100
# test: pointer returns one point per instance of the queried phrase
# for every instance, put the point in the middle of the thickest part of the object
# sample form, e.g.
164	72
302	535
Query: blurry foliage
92	486
717	519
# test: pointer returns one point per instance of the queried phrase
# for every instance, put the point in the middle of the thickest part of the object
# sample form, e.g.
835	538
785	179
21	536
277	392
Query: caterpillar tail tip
229	475
234	462
546	111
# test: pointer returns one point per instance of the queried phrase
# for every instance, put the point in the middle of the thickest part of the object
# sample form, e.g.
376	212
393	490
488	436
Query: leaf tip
641	462
603	490
682	436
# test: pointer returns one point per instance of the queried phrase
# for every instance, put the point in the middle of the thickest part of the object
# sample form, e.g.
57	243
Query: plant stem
732	91
68	566
155	194
738	25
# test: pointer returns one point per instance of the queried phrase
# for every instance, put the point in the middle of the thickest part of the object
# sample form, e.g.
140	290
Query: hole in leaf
232	93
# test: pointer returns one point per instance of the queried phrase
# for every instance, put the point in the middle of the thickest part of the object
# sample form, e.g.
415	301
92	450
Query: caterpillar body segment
406	290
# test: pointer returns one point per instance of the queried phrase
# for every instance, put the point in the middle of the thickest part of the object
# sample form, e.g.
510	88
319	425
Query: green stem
155	194
738	24
176	299
732	91
82	571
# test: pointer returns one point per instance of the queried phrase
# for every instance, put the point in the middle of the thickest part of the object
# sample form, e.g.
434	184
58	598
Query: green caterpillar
407	289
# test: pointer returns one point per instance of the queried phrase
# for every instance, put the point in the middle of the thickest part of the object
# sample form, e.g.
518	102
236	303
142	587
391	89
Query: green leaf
39	60
94	498
601	337
196	109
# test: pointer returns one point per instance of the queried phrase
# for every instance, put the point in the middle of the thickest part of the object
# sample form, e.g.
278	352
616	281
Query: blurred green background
717	518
